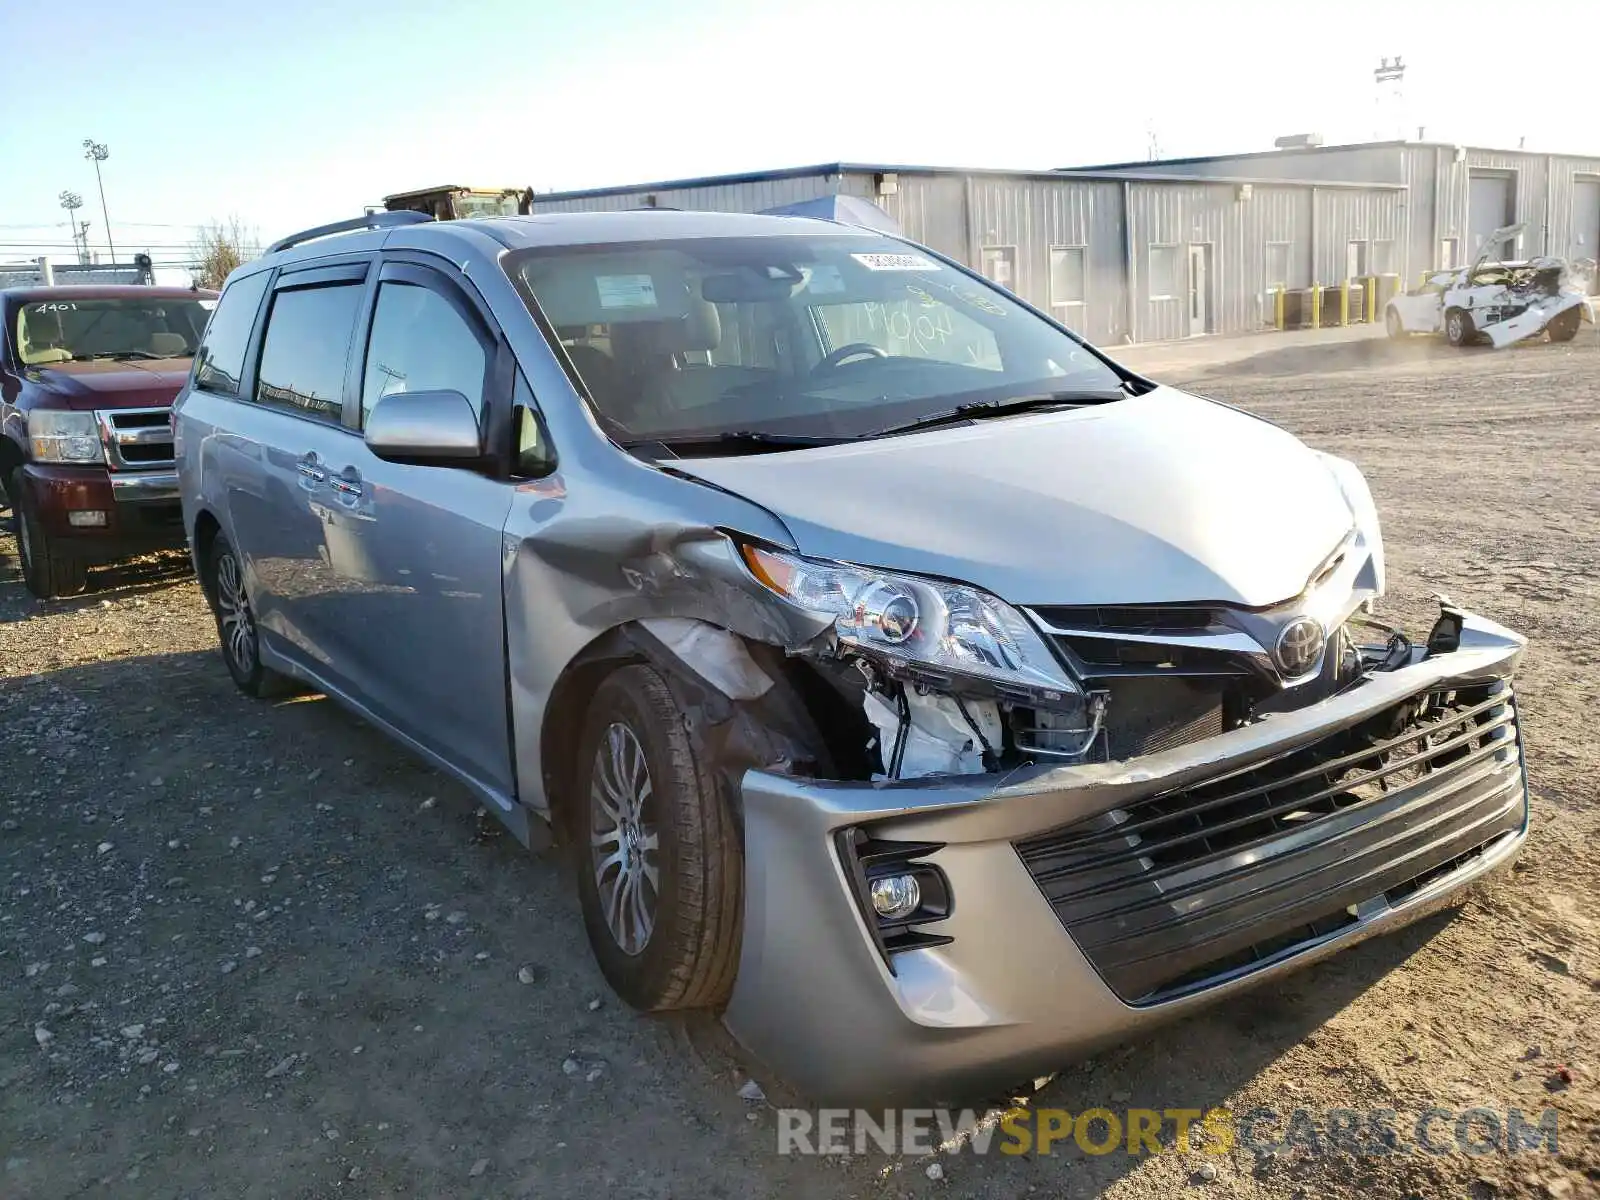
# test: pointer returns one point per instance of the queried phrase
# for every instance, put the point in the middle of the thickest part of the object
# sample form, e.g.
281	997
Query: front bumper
1050	956
141	508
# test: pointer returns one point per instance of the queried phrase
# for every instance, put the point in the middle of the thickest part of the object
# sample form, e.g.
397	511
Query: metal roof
641	224
1309	151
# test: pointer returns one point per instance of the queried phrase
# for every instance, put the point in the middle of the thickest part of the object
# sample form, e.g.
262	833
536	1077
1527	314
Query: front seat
663	384
39	340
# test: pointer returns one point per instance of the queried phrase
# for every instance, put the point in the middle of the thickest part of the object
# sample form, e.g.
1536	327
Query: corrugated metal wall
749	196
932	209
1026	216
1030	215
1238	232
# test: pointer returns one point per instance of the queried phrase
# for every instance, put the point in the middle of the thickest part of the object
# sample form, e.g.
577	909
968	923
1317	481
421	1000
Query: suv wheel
47	569
236	622
660	870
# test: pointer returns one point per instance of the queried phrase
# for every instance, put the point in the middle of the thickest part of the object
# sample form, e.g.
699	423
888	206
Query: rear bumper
141	508
1041	967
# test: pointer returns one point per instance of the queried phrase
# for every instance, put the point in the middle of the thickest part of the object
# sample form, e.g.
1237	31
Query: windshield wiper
738	439
1011	406
120	355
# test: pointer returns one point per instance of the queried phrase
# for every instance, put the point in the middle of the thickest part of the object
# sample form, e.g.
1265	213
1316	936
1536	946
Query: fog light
895	896
87	518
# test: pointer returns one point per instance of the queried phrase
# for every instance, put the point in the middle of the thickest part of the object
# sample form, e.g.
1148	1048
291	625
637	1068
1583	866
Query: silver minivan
931	696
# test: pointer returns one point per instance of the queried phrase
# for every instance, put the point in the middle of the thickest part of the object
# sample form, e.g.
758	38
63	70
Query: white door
1199	290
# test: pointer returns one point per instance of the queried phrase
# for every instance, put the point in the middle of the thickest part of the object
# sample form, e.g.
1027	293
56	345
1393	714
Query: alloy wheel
623	839
238	622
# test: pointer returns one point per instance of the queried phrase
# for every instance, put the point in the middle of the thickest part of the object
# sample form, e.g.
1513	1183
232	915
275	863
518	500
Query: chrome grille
136	439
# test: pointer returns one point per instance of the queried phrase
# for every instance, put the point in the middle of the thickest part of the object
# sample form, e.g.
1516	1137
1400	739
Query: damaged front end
954	681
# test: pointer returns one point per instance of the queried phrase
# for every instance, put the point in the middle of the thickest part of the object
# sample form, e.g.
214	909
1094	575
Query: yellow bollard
1316	306
1370	295
1344	302
1278	307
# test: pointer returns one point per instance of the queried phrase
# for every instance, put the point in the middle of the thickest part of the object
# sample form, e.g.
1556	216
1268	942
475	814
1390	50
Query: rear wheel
1392	322
236	623
48	569
660	867
1458	327
1565	327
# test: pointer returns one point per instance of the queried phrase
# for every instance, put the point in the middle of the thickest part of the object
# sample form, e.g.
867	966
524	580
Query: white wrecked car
1503	302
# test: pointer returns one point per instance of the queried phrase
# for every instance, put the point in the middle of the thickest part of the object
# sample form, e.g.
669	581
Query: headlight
60	436
1365	513
941	628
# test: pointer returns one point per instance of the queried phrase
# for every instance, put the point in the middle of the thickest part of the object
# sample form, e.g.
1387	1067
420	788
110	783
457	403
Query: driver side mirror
424	428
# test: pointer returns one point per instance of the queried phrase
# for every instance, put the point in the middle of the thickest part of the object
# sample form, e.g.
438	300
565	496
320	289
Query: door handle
346	486
310	469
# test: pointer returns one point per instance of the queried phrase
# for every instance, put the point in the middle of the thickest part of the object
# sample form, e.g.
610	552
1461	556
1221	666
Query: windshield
822	336
486	204
57	331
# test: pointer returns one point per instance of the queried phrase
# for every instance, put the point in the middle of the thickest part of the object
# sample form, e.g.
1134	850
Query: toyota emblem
1300	645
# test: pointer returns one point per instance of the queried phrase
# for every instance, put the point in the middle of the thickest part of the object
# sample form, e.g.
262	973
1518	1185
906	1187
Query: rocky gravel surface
254	949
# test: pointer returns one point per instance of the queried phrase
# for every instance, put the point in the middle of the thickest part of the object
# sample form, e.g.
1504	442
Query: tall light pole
97	153
72	202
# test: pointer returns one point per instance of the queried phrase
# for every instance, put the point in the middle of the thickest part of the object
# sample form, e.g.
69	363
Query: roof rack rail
380	220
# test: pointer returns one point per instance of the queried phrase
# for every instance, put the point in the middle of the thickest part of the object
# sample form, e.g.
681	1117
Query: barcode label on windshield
895	262
626	291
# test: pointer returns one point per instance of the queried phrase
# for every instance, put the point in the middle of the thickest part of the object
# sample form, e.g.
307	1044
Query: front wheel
660	867
1458	328
1565	326
1393	324
48	568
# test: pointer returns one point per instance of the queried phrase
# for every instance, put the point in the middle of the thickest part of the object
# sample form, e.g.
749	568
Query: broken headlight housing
934	632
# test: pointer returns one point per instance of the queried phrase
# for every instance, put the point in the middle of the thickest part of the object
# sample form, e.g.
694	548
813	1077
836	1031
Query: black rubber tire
1565	327
1393	325
692	952
47	569
1459	332
252	678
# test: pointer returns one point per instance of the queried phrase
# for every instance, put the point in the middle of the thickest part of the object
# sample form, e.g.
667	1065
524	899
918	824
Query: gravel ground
255	950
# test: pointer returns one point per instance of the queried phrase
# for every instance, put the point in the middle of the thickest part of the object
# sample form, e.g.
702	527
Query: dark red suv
87	379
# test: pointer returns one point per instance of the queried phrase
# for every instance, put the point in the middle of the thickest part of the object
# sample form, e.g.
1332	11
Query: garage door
1490	204
1586	223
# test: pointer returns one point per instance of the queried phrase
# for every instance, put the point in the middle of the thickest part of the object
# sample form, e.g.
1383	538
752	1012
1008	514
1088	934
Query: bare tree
220	247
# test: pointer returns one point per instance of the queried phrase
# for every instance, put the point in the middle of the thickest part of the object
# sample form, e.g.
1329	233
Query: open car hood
1163	498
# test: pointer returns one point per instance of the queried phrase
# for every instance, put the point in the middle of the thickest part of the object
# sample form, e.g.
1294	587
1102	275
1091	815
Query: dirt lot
249	950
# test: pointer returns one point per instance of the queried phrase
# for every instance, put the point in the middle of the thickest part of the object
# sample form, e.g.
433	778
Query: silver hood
1163	498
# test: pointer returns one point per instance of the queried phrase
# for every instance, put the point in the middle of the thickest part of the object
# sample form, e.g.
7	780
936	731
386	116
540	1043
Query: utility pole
97	153
72	202
1391	73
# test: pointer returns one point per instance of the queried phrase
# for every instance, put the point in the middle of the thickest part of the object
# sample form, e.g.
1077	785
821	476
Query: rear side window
219	364
305	349
420	343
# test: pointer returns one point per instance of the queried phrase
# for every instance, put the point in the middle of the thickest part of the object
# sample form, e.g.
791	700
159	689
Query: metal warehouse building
1157	250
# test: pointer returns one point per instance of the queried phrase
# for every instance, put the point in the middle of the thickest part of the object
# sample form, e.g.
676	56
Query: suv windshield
57	331
805	337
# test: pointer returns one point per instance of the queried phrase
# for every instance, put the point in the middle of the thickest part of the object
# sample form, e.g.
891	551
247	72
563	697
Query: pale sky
302	111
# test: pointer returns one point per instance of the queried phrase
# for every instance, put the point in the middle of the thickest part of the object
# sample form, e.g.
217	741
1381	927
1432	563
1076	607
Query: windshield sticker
56	306
895	262
823	279
208	305
626	291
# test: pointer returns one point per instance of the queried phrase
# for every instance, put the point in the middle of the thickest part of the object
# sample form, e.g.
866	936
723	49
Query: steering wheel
844	354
